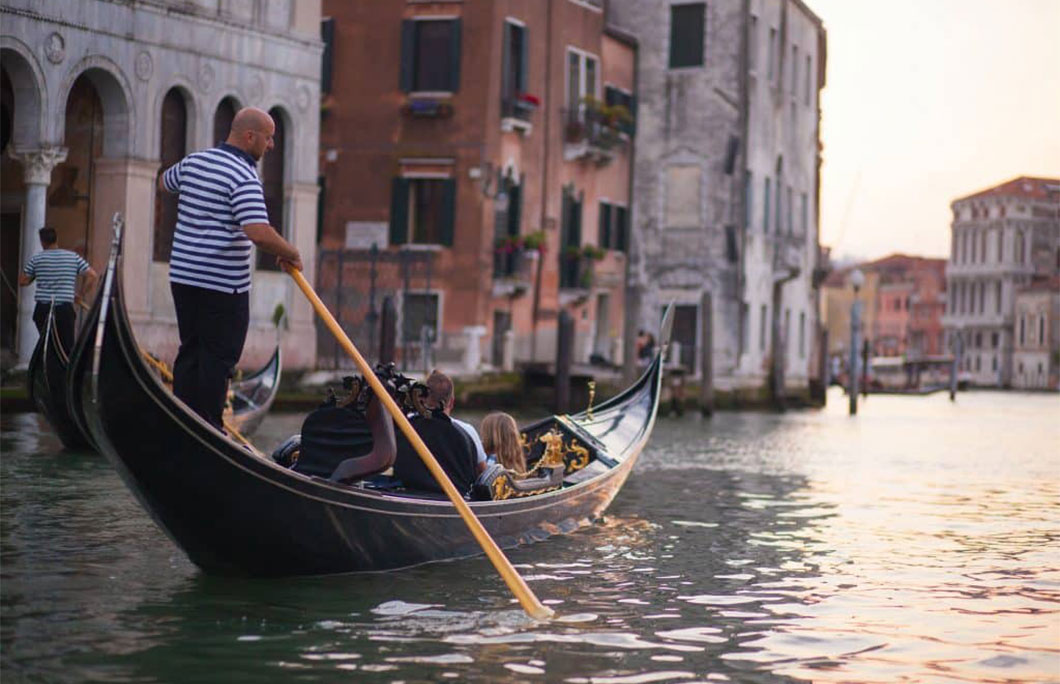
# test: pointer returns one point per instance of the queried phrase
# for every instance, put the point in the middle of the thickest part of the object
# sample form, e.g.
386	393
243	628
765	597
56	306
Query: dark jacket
451	447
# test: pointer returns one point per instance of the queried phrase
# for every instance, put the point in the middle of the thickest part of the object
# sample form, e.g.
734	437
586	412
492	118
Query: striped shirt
220	192
55	272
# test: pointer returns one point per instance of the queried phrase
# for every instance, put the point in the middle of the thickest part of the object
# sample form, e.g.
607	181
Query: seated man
451	446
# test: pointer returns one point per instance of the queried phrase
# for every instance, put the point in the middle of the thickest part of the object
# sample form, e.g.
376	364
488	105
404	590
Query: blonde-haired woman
500	437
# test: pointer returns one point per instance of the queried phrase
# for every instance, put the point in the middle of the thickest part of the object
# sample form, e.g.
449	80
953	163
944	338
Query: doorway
684	333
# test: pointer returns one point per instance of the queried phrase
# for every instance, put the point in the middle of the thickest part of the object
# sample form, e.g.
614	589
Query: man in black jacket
451	446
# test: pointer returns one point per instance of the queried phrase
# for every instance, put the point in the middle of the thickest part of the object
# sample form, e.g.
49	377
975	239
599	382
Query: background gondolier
56	272
221	211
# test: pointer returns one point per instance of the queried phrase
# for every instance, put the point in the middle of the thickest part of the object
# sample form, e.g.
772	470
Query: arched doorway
272	181
10	216
70	193
222	119
173	145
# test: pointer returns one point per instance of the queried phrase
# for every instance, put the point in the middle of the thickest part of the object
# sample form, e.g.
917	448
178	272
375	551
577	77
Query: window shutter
515	206
408	50
448	211
399	211
604	237
621	229
454	56
686	35
576	222
524	60
507	87
610	96
327	36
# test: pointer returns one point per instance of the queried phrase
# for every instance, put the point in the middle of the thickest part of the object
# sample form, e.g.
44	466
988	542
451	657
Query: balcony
427	108
513	271
516	111
594	131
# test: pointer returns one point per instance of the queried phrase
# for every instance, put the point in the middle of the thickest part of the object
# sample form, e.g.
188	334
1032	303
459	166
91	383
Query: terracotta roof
1024	186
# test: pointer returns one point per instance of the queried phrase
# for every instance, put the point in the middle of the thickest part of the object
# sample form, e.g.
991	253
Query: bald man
220	213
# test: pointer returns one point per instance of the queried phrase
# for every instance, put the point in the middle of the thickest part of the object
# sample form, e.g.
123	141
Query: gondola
237	512
46	385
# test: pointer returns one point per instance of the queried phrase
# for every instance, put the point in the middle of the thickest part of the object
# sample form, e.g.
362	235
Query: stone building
1002	238
726	182
483	149
98	97
1036	335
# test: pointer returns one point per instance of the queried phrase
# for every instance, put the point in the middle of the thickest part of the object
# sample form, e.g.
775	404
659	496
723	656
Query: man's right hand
295	263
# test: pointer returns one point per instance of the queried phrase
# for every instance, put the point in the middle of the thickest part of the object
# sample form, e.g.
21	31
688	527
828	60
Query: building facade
908	308
476	169
726	182
1002	238
98	97
1036	336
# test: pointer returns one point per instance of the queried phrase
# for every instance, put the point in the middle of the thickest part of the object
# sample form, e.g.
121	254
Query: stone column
37	166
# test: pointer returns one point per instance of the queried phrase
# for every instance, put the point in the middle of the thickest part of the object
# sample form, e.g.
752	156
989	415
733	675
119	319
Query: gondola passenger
500	437
450	445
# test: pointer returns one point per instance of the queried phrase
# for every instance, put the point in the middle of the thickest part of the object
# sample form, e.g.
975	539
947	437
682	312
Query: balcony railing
575	272
518	106
513	271
592	132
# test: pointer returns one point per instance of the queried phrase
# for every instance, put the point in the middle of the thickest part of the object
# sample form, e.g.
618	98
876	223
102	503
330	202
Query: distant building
99	96
726	182
1036	335
909	304
483	149
1002	238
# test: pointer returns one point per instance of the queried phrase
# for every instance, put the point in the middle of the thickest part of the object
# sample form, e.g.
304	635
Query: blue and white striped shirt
220	192
55	272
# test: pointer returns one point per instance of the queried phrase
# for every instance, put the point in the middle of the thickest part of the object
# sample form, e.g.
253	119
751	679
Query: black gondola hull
234	512
47	381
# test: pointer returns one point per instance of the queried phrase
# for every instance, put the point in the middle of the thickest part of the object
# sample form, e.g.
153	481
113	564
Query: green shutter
408	49
448	211
603	239
524	61
327	36
576	222
454	57
515	208
621	229
399	211
507	87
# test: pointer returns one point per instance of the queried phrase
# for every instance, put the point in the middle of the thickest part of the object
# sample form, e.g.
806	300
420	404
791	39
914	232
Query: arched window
272	180
172	146
222	119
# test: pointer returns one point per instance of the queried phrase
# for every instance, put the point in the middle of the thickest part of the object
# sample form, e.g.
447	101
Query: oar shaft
511	577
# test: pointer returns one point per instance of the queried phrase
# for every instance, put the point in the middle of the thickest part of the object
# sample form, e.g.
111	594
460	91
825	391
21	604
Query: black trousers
64	321
213	327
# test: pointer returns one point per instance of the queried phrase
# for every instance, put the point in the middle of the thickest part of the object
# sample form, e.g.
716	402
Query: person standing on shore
220	213
56	272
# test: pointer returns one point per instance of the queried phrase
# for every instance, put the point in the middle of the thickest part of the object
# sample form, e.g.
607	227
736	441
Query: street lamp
857	279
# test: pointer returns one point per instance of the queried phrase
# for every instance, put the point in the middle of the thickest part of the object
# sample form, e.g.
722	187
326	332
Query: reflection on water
917	541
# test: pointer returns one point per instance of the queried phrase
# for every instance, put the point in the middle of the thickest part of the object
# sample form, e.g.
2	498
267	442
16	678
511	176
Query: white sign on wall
364	234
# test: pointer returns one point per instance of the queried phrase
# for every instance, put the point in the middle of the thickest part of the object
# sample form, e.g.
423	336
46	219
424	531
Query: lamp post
857	279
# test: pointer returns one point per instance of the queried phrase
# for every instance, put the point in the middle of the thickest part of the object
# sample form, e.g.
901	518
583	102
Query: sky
927	101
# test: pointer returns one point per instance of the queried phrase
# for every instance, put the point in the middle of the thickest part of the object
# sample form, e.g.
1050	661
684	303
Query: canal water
919	541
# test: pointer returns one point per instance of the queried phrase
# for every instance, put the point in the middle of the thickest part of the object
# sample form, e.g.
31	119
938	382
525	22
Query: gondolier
56	272
221	211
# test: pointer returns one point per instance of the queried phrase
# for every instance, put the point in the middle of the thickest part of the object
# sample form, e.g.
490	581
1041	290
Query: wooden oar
533	607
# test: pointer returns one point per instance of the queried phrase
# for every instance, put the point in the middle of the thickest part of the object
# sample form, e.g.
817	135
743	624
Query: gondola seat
496	483
330	435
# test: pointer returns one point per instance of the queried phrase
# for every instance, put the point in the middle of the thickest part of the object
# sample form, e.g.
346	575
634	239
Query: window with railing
516	101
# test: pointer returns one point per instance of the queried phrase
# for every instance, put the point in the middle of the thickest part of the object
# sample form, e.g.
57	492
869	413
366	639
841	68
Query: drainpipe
544	183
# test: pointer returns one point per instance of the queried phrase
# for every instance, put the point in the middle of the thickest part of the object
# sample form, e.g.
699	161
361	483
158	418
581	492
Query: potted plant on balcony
526	102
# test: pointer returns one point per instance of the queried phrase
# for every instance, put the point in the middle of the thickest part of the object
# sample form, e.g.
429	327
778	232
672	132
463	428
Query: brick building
909	304
483	149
